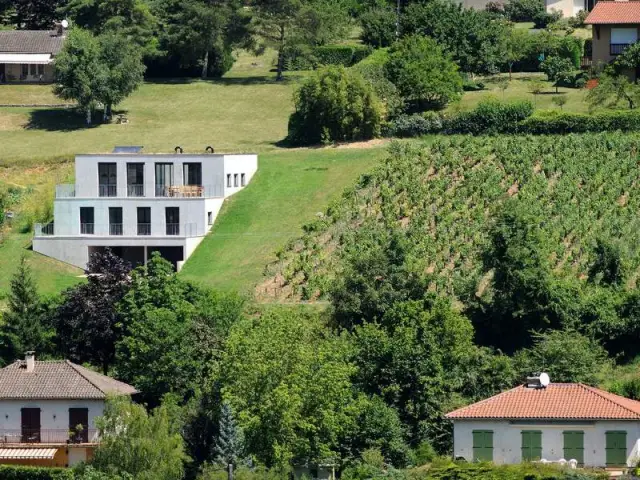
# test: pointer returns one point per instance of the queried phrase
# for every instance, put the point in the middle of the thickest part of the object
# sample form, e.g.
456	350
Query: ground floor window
482	445
574	445
531	445
616	448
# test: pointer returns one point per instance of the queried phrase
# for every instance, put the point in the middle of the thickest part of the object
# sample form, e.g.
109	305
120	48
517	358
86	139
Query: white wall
565	6
507	440
237	165
11	418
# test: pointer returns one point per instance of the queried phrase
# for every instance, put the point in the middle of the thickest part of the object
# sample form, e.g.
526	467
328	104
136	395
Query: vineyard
445	197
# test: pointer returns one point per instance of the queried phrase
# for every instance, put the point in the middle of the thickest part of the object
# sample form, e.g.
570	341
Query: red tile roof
620	12
566	401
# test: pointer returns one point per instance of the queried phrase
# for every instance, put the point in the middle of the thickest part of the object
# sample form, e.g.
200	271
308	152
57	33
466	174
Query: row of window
31	431
573	448
30	69
172	221
243	180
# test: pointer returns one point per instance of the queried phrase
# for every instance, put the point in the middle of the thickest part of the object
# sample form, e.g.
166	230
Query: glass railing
87	229
144	229
107	190
115	229
135	190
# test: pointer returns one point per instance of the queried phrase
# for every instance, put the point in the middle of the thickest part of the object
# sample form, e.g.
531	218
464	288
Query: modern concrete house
26	56
136	203
532	422
48	411
615	27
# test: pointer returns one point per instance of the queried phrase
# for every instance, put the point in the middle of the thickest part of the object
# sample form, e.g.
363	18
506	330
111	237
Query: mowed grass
289	189
519	88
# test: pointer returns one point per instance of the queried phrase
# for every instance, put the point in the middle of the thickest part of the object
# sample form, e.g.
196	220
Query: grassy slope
289	189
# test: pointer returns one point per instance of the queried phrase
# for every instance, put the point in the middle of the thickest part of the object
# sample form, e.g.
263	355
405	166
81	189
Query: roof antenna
209	149
178	149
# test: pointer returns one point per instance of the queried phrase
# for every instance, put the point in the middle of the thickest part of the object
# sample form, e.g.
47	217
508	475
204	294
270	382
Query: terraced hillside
444	198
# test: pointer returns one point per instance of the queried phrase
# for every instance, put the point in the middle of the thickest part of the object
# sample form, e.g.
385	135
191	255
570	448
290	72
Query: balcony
107	190
189	191
144	229
87	229
59	436
43	230
138	191
617	48
116	229
135	190
65	191
173	229
181	230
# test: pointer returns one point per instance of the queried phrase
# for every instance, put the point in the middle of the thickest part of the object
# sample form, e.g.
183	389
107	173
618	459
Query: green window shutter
483	445
616	448
531	445
574	445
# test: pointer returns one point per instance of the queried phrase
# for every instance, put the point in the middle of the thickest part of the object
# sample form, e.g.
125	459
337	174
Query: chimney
30	358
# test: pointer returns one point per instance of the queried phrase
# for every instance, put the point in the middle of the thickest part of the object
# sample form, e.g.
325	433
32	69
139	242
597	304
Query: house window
79	425
41	70
30	423
482	445
574	445
107	180
172	219
192	173
144	220
210	218
531	445
616	448
115	221
86	221
164	179
243	181
229	180
135	179
25	70
235	180
621	38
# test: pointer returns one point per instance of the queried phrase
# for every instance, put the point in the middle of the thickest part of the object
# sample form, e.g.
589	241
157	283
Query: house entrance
3	73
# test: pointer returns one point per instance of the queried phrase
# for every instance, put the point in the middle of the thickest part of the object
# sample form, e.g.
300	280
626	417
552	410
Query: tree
566	355
378	26
333	105
131	19
36	14
287	24
79	72
423	73
229	444
559	100
124	70
88	324
612	89
133	442
610	266
524	10
558	70
517	43
22	326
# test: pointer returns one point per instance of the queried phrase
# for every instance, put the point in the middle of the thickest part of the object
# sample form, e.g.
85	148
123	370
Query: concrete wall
507	440
13	73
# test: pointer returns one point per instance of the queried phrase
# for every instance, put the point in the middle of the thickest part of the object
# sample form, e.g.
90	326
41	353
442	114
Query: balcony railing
144	229
43	230
173	229
107	190
87	229
135	190
51	436
115	229
617	48
65	191
189	191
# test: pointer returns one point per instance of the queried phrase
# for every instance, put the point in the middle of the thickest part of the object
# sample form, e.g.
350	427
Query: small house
48	411
532	422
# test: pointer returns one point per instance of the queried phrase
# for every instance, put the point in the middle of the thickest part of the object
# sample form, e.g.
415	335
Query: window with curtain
164	178
192	173
135	179
107	179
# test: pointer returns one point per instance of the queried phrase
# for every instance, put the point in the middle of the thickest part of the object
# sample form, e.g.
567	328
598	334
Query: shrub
334	105
415	125
524	10
490	117
577	21
525	471
423	74
544	19
384	89
494	7
469	86
18	472
345	55
378	26
563	123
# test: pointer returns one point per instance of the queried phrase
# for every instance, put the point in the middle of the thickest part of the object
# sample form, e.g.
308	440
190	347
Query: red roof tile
566	401
619	12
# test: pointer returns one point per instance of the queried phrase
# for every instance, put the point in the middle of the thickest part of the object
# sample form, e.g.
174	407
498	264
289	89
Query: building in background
48	411
136	204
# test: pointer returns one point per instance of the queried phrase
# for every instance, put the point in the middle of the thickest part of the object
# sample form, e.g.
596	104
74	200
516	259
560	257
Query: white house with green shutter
559	421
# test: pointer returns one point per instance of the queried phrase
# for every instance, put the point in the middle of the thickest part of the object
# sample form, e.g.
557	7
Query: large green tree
35	14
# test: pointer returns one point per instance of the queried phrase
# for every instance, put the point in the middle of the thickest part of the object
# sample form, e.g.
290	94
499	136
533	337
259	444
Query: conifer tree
229	443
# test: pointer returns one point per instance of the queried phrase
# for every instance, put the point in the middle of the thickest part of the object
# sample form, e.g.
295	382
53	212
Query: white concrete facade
118	185
507	439
568	8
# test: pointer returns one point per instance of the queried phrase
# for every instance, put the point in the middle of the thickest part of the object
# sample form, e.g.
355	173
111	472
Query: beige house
26	56
615	26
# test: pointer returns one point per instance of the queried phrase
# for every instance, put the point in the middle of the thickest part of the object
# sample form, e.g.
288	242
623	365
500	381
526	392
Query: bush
415	125
378	26
469	86
334	105
525	471
422	72
490	117
345	55
563	123
524	10
19	472
494	7
384	89
544	19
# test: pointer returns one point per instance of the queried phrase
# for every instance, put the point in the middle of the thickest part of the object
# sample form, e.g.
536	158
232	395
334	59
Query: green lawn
520	88
289	189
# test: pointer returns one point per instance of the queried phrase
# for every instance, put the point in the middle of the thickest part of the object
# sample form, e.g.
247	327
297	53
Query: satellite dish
544	379
65	24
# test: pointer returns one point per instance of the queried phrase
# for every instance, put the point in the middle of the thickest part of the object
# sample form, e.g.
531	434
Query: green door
531	445
616	448
482	446
574	445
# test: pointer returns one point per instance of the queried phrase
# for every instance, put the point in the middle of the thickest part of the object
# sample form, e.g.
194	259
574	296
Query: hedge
345	55
486	471
490	117
19	472
562	123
